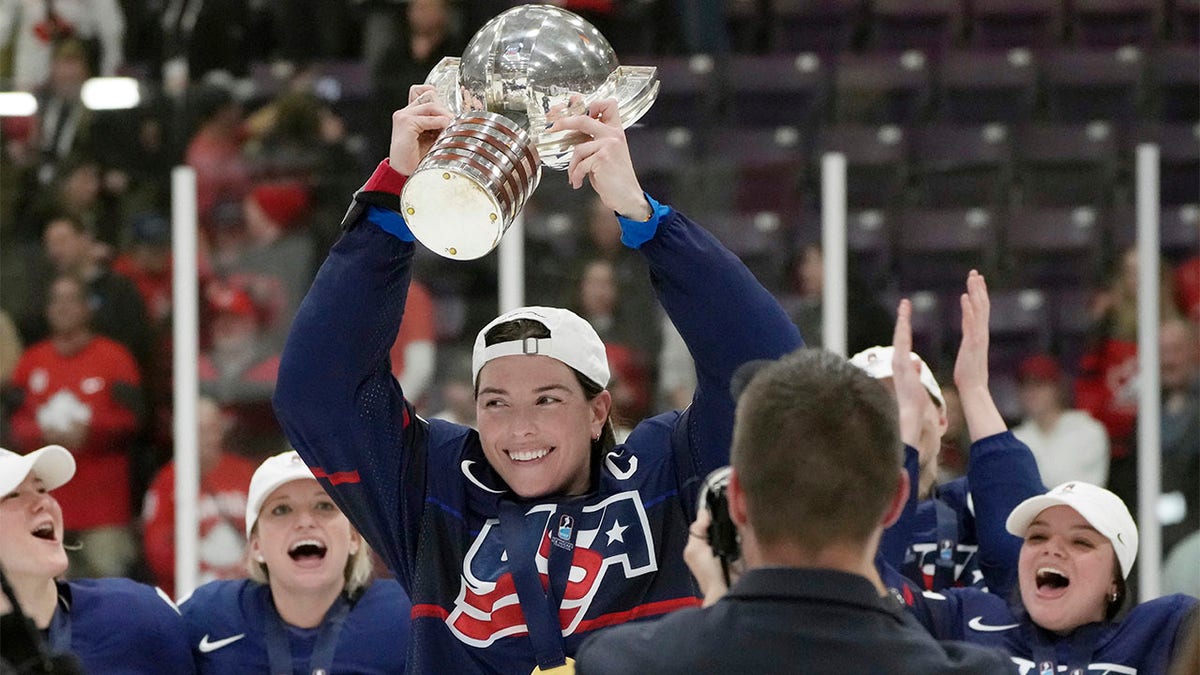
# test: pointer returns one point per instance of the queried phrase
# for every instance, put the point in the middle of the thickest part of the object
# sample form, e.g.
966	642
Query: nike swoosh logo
977	624
466	469
206	646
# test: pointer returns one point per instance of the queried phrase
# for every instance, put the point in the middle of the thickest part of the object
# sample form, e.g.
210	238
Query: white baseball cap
877	361
53	464
275	471
572	340
1102	509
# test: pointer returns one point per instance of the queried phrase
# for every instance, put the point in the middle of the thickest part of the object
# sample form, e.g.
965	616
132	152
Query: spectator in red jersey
1187	287
147	263
215	151
1107	383
224	481
238	368
82	390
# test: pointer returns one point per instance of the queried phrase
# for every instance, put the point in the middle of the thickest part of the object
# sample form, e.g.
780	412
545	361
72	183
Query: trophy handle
635	88
444	78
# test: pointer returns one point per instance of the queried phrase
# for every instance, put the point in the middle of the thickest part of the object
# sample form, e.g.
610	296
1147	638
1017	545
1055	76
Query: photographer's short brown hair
817	451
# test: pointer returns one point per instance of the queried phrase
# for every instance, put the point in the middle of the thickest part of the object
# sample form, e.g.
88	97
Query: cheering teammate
112	625
310	605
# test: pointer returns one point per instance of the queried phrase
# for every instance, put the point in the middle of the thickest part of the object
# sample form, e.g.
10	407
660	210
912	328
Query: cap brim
53	464
1020	518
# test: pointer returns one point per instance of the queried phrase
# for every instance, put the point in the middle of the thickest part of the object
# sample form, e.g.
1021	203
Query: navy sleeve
337	400
1002	473
726	318
897	538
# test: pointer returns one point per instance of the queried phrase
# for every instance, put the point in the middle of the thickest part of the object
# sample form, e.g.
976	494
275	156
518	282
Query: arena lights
17	104
111	93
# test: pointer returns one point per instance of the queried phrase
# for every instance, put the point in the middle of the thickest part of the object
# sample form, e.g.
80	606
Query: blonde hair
356	575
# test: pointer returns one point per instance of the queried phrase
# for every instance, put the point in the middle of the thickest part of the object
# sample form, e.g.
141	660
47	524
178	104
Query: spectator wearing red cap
275	265
1068	444
238	367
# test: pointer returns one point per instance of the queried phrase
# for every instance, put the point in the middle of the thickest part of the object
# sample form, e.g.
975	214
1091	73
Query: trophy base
454	216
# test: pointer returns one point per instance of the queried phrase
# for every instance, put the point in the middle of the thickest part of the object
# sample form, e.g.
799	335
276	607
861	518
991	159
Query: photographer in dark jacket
816	477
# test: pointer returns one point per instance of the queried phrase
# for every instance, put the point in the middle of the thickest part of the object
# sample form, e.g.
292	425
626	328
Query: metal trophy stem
524	69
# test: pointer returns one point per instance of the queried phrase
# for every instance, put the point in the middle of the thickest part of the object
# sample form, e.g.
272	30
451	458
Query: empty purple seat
1085	85
776	90
762	169
876	162
979	87
884	88
663	157
760	238
931	25
1179	229
1112	23
1185	21
1174	83
929	323
962	165
869	241
1065	165
1054	247
935	248
1020	324
1016	23
687	90
825	26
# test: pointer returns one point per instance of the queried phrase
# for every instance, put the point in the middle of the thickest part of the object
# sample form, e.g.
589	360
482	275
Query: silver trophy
524	69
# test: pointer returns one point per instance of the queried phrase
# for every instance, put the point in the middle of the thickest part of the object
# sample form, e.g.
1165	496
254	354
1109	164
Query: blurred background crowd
993	134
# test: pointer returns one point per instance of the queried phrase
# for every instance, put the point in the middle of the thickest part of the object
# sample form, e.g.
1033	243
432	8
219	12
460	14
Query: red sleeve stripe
428	611
404	419
648	609
338	477
431	611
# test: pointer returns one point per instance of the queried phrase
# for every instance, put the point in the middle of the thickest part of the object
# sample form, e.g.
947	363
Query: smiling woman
111	625
310	602
520	538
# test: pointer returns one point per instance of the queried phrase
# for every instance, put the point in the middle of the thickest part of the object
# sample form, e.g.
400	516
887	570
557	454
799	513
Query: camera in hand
722	535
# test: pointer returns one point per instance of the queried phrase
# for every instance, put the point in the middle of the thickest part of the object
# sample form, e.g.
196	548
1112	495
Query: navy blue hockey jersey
117	626
1139	643
228	628
945	544
426	498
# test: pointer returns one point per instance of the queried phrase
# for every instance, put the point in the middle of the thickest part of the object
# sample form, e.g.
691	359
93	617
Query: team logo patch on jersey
611	537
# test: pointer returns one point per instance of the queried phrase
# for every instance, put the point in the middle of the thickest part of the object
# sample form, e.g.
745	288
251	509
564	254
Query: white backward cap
877	362
275	471
1102	509
54	464
572	340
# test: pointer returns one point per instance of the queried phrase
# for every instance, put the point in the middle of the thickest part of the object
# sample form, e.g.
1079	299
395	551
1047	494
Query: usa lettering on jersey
612	534
1027	667
923	556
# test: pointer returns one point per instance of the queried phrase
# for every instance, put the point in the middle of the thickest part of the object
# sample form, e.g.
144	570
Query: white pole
1149	427
186	335
511	279
833	249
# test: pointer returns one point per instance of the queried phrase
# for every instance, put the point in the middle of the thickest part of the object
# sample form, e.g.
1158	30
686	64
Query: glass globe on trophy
525	68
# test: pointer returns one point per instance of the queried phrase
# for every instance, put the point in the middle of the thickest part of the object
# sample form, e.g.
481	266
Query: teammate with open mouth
110	625
309	605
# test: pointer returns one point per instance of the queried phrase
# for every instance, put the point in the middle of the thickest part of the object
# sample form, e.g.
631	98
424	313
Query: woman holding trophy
517	540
